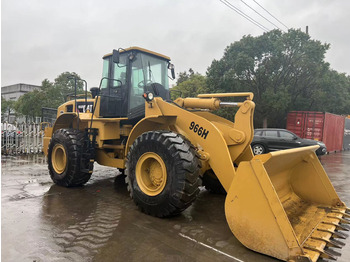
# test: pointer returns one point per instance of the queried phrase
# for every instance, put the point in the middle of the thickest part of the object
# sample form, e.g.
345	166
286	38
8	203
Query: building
13	93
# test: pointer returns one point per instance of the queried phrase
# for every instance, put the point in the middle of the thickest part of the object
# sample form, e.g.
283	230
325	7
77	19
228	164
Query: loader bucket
283	204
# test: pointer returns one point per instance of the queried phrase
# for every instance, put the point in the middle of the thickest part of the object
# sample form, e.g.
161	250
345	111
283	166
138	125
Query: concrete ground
99	222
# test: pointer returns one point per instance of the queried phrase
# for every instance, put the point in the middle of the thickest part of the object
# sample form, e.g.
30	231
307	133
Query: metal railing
25	138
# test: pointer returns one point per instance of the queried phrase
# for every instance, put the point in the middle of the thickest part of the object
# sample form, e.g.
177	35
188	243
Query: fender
65	120
151	123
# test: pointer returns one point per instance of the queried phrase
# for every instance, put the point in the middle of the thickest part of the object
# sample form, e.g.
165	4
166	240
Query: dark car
272	139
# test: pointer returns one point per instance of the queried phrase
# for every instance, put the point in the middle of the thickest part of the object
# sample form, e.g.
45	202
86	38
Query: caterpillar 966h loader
281	204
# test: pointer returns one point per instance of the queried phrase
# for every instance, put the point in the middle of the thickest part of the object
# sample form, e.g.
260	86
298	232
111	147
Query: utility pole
307	30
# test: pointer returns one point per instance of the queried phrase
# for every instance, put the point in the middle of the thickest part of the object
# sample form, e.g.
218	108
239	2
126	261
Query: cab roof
136	48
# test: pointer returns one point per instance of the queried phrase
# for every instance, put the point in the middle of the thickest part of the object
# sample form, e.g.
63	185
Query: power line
271	14
232	7
260	15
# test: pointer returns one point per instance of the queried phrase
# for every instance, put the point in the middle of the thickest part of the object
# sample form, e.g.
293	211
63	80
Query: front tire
162	171
68	165
212	183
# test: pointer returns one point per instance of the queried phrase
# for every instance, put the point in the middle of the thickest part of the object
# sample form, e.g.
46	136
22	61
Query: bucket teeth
330	243
335	243
338	226
340	234
330	252
345	220
341	220
345	214
335	234
327	254
344	226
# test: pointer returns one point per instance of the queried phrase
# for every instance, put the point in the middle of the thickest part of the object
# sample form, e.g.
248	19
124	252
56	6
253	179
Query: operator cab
127	75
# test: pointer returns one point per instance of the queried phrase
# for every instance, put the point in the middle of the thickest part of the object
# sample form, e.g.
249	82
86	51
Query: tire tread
187	165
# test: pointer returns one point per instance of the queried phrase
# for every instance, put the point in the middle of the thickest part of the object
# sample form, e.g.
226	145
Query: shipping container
346	140
320	126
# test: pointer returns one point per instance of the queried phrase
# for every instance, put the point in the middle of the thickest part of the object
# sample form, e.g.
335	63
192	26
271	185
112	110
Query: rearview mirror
172	70
115	56
173	73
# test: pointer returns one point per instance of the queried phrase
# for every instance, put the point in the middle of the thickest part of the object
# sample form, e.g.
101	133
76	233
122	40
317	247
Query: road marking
212	248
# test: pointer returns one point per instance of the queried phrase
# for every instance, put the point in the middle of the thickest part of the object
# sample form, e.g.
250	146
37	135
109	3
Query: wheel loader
281	204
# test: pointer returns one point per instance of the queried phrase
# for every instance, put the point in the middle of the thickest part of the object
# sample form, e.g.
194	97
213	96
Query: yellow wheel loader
281	204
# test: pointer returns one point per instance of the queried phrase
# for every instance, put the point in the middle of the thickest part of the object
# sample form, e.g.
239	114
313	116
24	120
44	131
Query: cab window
137	83
105	72
119	72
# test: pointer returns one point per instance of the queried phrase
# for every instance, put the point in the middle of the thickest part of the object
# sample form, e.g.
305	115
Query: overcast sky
43	38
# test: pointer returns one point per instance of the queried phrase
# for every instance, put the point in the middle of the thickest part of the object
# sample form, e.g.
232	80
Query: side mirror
295	138
173	73
94	91
172	70
115	56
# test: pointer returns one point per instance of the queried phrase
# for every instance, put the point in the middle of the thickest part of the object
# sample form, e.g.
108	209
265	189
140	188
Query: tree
30	104
190	85
283	70
334	94
65	83
7	106
51	94
183	76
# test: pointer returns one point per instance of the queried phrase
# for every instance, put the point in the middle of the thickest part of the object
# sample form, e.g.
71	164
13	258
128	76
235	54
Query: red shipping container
325	127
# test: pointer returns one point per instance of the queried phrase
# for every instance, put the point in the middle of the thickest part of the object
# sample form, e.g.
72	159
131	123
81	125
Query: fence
21	138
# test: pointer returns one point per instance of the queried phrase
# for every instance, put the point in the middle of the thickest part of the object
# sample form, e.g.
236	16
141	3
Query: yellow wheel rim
151	174
59	158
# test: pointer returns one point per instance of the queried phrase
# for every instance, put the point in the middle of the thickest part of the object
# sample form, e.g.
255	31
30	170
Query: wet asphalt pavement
99	222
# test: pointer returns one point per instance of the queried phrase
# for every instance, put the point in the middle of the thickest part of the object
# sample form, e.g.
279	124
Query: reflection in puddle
99	221
10	161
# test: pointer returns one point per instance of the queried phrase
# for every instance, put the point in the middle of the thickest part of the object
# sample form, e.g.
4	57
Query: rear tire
162	171
68	166
259	149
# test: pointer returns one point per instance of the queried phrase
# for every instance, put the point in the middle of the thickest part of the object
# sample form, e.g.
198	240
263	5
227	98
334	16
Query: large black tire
212	183
162	173
68	165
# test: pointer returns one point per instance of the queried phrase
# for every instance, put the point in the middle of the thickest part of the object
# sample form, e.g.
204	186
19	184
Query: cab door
114	91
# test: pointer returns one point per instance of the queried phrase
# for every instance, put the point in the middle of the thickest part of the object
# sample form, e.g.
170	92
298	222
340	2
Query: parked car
272	139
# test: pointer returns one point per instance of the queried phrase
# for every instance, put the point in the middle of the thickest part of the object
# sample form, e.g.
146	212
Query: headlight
150	96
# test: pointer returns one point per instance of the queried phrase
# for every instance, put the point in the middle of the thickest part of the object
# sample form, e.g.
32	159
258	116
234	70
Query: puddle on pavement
20	160
99	222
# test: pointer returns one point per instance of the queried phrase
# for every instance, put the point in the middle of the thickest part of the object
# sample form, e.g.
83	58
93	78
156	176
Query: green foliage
30	103
334	94
51	94
183	76
6	105
189	85
285	71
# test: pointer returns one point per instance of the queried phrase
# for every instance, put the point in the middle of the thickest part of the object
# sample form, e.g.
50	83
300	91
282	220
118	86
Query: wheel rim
258	150
151	174
59	158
